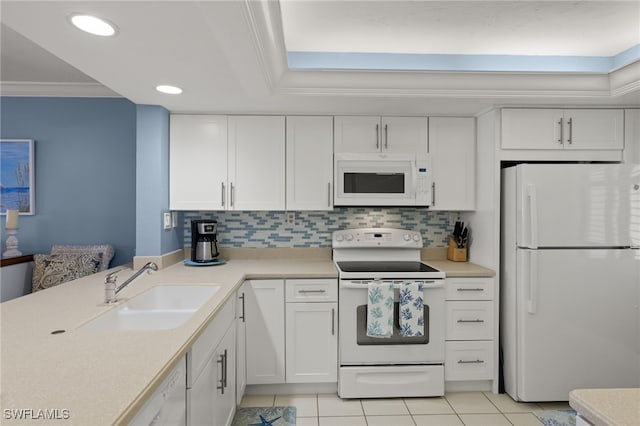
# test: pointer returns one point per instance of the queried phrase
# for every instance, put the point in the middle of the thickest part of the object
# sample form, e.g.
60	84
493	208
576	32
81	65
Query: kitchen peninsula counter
89	377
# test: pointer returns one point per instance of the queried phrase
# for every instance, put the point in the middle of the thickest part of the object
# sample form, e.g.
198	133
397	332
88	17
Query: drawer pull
470	289
312	291
473	320
477	361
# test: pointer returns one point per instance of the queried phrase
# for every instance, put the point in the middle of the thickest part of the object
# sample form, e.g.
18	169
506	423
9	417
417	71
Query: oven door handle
426	285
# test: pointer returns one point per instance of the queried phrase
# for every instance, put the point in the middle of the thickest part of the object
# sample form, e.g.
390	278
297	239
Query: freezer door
578	324
578	205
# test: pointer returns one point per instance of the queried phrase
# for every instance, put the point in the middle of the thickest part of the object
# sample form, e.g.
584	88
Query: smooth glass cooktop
396	266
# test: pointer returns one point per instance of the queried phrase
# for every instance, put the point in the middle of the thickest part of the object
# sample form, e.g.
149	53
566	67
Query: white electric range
387	367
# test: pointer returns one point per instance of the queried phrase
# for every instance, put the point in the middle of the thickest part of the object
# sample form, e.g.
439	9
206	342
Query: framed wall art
17	183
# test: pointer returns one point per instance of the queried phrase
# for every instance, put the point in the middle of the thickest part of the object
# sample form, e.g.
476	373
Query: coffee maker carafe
204	242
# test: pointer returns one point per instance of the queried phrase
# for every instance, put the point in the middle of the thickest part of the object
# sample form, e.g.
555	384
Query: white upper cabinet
594	129
197	162
256	163
452	145
562	129
309	178
380	134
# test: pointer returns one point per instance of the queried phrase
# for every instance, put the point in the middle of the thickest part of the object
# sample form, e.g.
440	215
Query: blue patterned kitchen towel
380	309
411	310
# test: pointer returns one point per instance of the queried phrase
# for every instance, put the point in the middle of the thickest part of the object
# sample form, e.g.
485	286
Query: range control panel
376	237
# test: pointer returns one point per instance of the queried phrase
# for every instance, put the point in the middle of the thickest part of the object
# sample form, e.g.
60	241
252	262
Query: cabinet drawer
202	349
469	320
469	289
311	290
468	361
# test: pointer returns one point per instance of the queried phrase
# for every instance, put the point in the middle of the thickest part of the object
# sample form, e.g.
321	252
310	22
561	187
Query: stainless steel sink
159	308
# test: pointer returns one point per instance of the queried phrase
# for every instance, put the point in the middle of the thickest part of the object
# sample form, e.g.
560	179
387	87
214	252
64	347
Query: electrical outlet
174	219
166	216
291	218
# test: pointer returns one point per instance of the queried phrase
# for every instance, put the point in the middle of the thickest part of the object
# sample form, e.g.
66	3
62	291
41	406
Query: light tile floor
454	409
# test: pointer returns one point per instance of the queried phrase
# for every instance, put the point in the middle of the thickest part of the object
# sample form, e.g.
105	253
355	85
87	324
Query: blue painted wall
152	182
85	171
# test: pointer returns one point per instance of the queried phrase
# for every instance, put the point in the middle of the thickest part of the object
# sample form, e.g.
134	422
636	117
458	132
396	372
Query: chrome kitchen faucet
110	289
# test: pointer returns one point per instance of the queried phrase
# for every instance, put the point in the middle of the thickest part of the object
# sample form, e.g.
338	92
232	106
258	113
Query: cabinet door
241	349
452	145
312	342
404	134
226	380
264	302
197	162
256	163
594	129
309	163
202	396
357	134
528	128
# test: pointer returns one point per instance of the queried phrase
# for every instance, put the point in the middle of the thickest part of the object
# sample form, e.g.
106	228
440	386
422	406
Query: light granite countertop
104	377
607	407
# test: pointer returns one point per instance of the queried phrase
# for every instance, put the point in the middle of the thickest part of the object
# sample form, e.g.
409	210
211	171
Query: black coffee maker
204	242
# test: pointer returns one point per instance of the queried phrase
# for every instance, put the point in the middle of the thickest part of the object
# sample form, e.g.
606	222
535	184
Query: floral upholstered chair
69	262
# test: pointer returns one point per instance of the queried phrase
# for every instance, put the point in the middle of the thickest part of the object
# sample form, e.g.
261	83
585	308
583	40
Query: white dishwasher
168	404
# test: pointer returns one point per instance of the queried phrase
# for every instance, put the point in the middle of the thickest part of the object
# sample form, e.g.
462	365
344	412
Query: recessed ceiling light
93	25
170	90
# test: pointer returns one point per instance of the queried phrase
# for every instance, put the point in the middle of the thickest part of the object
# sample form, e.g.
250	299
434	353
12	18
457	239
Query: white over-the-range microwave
381	179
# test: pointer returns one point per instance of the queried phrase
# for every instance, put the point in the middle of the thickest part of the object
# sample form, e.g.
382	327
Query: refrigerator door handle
533	282
532	213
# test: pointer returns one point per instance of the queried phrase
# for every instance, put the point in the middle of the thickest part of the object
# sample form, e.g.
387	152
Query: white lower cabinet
469	360
470	348
264	303
312	331
167	405
211	377
241	343
296	344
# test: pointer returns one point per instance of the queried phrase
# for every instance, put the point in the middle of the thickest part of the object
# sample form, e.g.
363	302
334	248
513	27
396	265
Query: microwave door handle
414	178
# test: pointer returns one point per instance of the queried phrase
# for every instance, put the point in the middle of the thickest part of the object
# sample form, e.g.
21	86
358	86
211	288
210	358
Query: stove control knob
349	237
339	238
407	237
416	237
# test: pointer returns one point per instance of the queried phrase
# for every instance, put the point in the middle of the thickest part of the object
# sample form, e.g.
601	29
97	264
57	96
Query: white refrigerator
570	279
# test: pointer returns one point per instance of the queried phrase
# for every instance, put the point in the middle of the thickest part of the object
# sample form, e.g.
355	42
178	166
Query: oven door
356	348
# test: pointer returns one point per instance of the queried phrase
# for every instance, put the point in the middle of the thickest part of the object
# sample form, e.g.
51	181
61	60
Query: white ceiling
586	28
230	56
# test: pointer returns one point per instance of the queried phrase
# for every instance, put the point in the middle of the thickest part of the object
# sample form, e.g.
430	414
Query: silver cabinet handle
433	193
231	195
474	320
477	361
328	194
333	321
222	194
561	131
570	131
225	375
470	289
377	136
221	386
311	291
242	316
386	136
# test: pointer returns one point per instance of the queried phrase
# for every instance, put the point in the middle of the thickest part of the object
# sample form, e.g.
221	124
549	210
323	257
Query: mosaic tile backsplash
263	229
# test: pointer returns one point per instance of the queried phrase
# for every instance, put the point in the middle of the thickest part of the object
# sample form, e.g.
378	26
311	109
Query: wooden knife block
454	253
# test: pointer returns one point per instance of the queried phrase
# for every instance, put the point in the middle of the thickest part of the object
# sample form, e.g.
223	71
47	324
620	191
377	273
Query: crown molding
63	90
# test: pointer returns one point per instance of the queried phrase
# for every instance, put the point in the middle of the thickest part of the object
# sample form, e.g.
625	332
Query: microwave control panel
423	182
